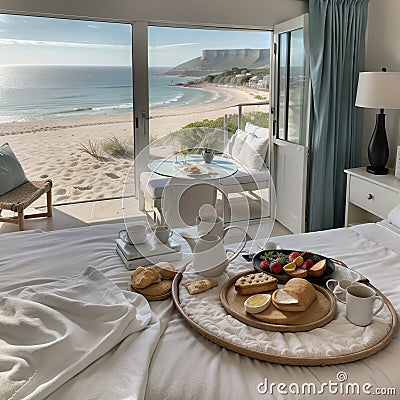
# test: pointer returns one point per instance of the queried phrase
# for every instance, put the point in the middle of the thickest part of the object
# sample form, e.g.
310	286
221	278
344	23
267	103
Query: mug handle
242	244
355	276
380	306
331	281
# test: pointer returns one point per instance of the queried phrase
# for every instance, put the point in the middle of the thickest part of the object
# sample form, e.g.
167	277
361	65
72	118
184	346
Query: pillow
11	173
257	130
394	217
253	152
235	144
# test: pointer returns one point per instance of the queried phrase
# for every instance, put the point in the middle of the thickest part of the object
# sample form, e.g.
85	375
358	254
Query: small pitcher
209	255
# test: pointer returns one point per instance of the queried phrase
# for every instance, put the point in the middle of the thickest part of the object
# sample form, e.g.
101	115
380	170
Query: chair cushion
153	184
12	174
243	177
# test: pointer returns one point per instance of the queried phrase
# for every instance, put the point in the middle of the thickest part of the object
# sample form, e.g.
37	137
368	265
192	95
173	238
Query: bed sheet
217	373
185	365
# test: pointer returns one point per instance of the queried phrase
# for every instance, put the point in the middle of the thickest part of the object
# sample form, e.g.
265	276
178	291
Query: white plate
201	171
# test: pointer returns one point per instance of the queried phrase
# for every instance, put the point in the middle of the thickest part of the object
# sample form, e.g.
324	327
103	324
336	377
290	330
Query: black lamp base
378	148
377	171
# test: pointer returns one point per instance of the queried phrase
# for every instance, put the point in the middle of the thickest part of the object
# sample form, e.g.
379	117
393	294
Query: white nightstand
370	198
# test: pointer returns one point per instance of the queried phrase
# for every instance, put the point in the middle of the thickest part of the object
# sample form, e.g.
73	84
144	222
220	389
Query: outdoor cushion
12	174
243	177
248	149
235	144
253	152
257	130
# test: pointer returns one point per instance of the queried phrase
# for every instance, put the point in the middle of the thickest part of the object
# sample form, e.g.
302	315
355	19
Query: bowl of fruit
287	264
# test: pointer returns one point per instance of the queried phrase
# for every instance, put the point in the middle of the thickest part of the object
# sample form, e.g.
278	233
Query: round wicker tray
265	356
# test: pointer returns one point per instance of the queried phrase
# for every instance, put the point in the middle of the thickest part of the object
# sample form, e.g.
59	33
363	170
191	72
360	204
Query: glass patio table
220	167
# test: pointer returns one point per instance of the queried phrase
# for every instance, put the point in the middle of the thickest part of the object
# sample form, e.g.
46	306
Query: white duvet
166	359
51	332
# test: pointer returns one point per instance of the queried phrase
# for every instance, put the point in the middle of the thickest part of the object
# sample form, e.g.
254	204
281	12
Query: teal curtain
337	55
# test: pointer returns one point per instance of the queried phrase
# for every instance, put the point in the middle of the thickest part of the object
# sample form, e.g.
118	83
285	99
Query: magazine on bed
147	253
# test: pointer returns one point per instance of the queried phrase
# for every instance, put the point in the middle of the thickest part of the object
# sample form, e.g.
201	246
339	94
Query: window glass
66	103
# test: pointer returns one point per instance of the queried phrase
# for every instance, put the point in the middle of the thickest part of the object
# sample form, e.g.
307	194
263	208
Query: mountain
215	61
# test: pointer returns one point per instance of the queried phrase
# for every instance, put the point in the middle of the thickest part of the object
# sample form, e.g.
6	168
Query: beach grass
94	149
117	147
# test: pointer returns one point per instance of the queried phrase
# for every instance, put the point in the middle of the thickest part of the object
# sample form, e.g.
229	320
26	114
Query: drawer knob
370	196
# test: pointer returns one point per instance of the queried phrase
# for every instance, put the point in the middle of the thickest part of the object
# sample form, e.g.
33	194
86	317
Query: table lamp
378	90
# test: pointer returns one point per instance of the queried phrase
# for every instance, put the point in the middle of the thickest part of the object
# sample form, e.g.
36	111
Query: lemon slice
299	261
257	303
290	267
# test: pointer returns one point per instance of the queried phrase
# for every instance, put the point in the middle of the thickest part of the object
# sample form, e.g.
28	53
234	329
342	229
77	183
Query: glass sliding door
293	86
204	84
66	103
292	122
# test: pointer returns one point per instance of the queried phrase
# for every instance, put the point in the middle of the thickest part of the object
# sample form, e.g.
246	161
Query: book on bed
147	253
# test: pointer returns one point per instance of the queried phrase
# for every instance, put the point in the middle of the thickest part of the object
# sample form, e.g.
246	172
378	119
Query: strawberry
264	264
276	267
309	263
293	256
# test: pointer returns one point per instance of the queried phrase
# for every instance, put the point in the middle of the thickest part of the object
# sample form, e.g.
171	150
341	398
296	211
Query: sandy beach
52	148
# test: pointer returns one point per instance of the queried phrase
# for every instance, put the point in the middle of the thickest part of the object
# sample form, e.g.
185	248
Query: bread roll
144	276
299	289
165	269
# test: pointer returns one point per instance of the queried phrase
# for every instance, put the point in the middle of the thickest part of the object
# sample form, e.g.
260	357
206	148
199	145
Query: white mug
338	287
137	233
163	233
360	300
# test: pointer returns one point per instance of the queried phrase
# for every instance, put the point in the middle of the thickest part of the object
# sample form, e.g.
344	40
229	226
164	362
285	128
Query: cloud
162	46
61	44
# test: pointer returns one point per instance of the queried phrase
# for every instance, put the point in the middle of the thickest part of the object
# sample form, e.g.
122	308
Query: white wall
248	13
383	50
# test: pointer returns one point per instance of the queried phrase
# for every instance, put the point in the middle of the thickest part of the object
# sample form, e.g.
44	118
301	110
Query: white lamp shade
378	90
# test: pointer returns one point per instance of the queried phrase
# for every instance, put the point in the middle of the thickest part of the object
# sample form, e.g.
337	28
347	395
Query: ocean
44	92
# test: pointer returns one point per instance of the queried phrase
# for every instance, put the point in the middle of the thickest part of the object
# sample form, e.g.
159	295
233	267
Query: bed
157	355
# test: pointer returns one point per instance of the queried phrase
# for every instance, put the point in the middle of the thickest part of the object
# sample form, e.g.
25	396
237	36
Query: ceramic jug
215	226
209	255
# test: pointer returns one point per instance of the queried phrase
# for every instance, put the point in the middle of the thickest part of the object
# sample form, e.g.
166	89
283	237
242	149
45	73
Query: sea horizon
40	92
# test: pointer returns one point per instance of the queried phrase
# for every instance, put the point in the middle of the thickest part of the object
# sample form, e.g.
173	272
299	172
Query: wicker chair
18	199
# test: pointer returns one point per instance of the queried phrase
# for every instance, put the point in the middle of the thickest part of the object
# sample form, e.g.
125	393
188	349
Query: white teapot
209	255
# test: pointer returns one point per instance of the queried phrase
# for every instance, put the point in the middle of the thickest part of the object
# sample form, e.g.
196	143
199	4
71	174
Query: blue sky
36	40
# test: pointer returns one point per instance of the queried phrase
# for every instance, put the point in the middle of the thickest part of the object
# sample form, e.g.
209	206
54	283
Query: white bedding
180	363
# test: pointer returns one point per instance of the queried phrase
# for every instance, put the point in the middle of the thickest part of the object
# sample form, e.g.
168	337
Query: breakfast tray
337	342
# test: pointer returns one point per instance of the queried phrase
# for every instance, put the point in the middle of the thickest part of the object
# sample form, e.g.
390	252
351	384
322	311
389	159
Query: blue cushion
11	173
